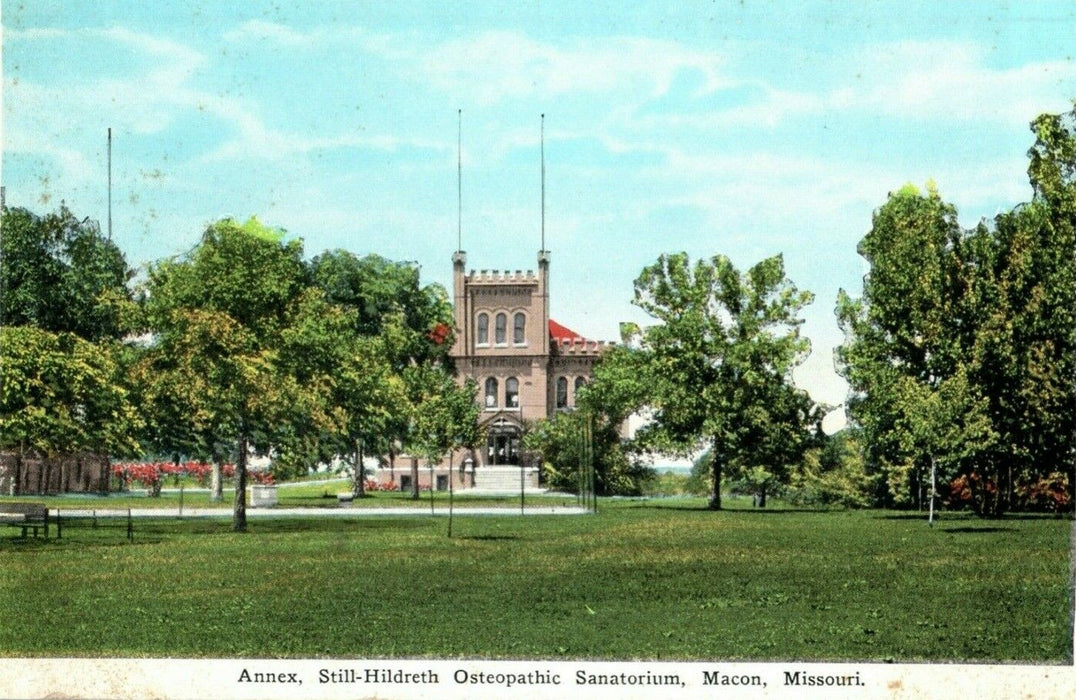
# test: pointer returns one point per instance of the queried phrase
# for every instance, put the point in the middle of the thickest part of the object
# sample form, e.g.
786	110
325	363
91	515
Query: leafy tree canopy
60	393
719	362
382	292
60	274
248	271
962	349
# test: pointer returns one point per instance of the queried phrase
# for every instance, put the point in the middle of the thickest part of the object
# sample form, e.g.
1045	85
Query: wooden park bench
27	516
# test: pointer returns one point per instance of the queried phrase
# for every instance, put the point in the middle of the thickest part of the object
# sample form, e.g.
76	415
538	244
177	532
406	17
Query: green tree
219	315
560	441
725	345
209	390
773	425
1049	323
62	394
442	415
385	293
981	320
447	418
248	271
901	343
350	375
60	274
413	323
617	389
832	472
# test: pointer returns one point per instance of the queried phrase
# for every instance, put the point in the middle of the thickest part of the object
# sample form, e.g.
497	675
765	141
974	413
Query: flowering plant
439	333
151	475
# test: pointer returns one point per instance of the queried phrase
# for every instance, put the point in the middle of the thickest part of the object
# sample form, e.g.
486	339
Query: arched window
519	329
562	392
511	392
580	382
483	329
491	393
501	332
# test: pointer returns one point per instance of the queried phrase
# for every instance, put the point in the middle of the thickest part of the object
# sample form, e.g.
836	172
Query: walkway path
341	512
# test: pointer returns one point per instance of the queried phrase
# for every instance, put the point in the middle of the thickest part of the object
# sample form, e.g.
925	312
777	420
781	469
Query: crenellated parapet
582	347
502	277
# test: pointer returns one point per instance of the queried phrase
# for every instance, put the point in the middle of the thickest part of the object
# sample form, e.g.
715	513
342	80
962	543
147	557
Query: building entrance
503	448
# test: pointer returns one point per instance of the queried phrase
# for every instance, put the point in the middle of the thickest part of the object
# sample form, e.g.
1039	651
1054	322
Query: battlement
582	346
502	277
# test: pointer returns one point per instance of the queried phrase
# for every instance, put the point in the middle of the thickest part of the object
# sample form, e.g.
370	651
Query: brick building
526	365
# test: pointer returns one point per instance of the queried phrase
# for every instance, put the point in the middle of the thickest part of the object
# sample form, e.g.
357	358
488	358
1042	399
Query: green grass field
658	579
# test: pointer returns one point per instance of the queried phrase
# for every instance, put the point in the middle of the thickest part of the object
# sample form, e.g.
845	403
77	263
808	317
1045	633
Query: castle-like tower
526	365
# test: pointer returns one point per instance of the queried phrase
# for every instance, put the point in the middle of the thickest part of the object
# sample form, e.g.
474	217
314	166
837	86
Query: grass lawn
659	579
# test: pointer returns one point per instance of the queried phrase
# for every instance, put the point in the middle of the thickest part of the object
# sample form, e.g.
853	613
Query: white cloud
495	66
950	81
149	100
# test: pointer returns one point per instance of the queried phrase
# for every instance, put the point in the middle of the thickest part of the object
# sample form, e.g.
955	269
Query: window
502	329
491	393
562	392
511	392
580	382
483	329
519	329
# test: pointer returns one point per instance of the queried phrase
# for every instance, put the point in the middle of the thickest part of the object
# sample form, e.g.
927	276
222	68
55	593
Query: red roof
561	333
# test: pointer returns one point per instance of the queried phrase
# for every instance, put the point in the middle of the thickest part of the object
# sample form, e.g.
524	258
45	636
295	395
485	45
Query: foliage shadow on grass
965	515
975	530
37	545
484	538
706	509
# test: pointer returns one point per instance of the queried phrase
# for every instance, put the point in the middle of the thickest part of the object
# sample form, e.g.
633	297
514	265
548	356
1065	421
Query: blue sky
742	128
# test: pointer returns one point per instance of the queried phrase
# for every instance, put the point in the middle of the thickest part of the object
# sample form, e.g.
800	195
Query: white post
933	488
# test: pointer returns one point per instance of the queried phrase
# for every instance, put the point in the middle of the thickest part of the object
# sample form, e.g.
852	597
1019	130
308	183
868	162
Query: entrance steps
505	479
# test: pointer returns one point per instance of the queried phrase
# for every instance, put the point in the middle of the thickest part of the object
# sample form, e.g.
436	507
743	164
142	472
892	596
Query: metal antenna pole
459	180
543	182
110	183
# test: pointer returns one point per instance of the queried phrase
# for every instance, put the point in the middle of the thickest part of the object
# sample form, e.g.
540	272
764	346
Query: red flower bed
151	475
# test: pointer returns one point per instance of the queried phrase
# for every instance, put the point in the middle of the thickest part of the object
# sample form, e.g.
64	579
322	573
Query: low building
31	473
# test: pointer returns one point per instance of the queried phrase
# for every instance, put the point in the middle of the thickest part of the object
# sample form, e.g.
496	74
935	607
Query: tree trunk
715	488
933	487
414	478
451	492
16	489
216	487
762	497
1010	496
239	519
360	473
105	476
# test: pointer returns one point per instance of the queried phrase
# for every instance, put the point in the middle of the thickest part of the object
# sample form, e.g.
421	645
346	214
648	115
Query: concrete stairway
505	479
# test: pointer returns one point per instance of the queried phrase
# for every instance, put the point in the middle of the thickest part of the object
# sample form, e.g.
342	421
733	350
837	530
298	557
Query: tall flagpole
459	181
110	183
543	183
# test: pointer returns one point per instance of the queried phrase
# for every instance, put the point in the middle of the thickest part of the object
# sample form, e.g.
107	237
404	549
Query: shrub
1049	493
